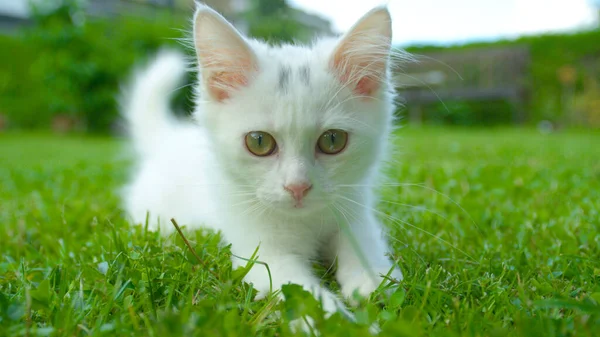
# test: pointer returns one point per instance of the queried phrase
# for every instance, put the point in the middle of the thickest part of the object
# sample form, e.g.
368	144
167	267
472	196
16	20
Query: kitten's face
296	128
301	106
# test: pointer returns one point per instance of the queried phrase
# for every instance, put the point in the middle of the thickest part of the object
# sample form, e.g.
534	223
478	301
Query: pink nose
298	191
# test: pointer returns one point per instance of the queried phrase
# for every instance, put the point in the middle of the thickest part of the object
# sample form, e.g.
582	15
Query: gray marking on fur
304	72
284	78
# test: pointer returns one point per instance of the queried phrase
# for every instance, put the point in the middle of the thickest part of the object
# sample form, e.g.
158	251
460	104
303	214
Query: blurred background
477	62
493	206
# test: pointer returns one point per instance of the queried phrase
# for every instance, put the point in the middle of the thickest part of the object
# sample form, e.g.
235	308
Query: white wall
15	8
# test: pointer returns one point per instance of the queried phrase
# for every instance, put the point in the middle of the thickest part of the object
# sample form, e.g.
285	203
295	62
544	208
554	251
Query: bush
20	98
549	53
273	21
469	113
70	65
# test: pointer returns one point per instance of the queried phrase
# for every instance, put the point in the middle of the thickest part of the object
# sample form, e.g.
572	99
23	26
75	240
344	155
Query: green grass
519	257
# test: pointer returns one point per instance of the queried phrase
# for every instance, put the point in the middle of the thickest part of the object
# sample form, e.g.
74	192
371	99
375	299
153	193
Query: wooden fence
499	73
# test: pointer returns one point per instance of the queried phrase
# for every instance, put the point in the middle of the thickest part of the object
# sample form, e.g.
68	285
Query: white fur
200	173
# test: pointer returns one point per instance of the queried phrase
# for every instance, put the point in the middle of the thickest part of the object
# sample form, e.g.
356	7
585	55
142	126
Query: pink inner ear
366	86
227	73
221	84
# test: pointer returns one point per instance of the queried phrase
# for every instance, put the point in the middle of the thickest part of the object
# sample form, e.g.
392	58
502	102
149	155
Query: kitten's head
297	127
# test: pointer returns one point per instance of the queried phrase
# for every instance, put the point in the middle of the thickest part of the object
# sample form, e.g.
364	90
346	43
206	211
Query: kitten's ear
360	60
227	61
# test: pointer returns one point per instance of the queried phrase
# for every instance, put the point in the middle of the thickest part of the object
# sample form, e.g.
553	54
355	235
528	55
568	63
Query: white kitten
284	149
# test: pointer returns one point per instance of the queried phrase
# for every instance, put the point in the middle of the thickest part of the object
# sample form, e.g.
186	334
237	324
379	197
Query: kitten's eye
260	143
332	141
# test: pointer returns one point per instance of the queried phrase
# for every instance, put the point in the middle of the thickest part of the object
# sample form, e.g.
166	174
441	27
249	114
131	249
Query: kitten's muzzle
298	192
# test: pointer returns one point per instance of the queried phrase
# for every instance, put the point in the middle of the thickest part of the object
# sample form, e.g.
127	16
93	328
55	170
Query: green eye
260	143
332	141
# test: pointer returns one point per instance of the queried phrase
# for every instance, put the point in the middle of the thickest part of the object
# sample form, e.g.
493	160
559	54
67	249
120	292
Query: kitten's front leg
285	267
361	253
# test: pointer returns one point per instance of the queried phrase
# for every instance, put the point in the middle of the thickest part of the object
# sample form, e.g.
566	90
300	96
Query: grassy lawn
497	232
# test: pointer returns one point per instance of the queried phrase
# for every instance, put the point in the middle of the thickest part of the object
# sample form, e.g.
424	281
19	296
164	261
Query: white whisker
419	208
404	223
421	185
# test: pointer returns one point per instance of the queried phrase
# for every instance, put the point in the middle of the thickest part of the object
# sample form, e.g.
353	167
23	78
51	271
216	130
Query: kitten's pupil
260	143
332	141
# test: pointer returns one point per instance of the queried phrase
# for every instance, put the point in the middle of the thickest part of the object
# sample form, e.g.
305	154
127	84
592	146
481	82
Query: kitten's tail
145	103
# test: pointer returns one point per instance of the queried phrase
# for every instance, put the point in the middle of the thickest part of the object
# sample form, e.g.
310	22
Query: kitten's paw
305	325
331	304
261	282
362	282
262	291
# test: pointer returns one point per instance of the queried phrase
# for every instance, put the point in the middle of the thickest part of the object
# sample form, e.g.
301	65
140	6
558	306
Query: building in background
234	11
13	14
596	4
317	24
231	9
16	13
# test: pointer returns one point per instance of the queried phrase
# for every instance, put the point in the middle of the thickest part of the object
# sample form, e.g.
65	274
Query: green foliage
70	64
548	53
277	29
469	113
519	257
20	96
271	7
273	21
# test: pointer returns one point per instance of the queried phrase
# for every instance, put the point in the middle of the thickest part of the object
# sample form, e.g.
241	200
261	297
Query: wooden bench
482	74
